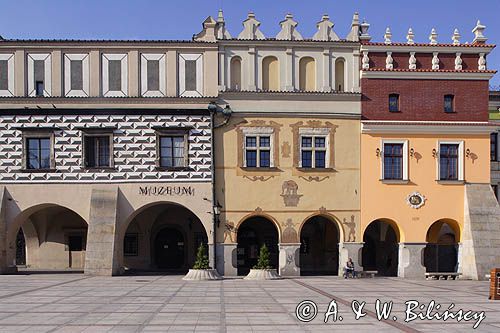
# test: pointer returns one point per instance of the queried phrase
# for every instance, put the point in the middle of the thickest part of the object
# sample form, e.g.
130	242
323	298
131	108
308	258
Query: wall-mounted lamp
217	208
434	153
467	153
412	151
378	152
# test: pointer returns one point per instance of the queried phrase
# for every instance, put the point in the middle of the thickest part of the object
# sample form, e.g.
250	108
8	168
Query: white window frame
84	58
10	76
47	77
145	57
258	132
405	158
87	134
183	57
106	57
315	132
460	144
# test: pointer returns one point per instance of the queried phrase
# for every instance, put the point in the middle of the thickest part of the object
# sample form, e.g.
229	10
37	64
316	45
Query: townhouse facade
123	156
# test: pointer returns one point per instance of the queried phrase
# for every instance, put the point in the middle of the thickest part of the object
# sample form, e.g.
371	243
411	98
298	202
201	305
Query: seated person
349	269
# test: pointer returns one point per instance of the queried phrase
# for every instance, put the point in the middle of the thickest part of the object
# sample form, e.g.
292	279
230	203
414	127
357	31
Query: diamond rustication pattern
134	148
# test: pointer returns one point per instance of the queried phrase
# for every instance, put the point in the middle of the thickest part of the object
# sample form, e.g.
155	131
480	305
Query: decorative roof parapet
410	37
354	34
456	37
364	36
289	29
387	36
478	31
208	32
251	28
220	29
433	37
325	30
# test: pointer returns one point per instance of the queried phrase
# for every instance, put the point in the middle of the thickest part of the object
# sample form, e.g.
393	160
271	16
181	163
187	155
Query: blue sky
168	19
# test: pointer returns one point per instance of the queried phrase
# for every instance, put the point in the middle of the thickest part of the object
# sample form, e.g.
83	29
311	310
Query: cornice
426	74
426	127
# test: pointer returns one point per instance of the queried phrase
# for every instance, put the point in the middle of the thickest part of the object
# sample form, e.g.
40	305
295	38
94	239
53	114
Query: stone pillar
100	257
211	249
289	70
289	259
410	261
252	62
350	250
327	86
222	70
57	74
226	259
3	232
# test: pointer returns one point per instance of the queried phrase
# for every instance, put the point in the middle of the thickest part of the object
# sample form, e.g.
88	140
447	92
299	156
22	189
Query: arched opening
339	74
235	73
319	250
49	237
307	74
162	237
270	74
381	248
441	251
252	234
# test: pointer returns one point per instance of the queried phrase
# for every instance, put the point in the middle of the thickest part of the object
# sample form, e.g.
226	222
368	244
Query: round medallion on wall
415	200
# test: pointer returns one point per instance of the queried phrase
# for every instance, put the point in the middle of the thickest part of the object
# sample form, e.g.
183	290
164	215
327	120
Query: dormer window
449	103
394	103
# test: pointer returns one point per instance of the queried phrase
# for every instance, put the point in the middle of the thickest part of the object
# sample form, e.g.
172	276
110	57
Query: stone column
289	259
226	259
100	256
222	69
252	62
350	250
410	260
327	86
289	72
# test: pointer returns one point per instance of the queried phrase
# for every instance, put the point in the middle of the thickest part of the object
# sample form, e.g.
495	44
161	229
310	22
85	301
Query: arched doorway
441	251
252	234
319	250
162	237
48	237
381	248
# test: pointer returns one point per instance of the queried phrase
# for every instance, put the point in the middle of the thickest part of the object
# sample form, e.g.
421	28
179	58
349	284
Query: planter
262	274
202	275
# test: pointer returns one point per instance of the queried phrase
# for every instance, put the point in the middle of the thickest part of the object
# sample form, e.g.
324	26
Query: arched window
270	74
339	75
307	74
235	73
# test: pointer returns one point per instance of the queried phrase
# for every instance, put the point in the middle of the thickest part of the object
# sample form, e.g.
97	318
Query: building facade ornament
355	27
412	62
364	36
478	31
365	60
435	61
220	28
289	29
410	37
251	28
481	62
458	62
415	200
325	30
433	37
208	32
456	37
387	36
389	61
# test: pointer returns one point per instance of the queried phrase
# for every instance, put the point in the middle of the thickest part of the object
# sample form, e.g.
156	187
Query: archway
381	247
270	74
252	234
48	237
441	251
235	69
162	237
307	74
339	74
319	250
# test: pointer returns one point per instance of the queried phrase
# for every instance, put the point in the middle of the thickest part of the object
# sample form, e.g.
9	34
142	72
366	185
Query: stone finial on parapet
208	32
456	37
364	36
412	62
220	28
433	37
387	36
251	28
355	29
325	30
289	29
410	37
458	61
478	31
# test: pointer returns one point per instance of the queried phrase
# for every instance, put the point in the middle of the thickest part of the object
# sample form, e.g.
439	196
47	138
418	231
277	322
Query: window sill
399	111
38	170
321	170
395	181
173	168
450	182
261	169
99	168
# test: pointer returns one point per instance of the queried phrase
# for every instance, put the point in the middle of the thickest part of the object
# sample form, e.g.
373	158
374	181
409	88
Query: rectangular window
76	72
190	70
115	75
39	87
153	73
172	151
448	161
38	153
131	245
258	151
394	103
448	104
494	147
393	161
4	74
313	151
97	151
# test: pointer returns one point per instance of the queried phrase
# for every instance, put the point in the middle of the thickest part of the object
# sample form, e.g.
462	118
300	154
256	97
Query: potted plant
263	270
201	269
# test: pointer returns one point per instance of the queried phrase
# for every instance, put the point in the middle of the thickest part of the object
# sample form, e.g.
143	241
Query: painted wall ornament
415	200
229	231
285	150
351	236
289	233
289	193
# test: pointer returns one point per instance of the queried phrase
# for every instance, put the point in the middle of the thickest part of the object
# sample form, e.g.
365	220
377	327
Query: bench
442	276
368	273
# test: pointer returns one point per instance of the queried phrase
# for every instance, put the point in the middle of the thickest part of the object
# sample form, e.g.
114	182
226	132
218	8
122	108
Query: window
7	74
448	162
97	151
270	74
448	104
394	103
39	89
313	151
191	75
307	74
339	75
38	153
172	151
131	245
494	147
258	151
153	79
393	161
76	75
114	75
39	74
235	73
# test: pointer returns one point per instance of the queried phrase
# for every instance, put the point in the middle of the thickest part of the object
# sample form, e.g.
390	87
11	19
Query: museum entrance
441	251
319	251
381	248
252	234
163	238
